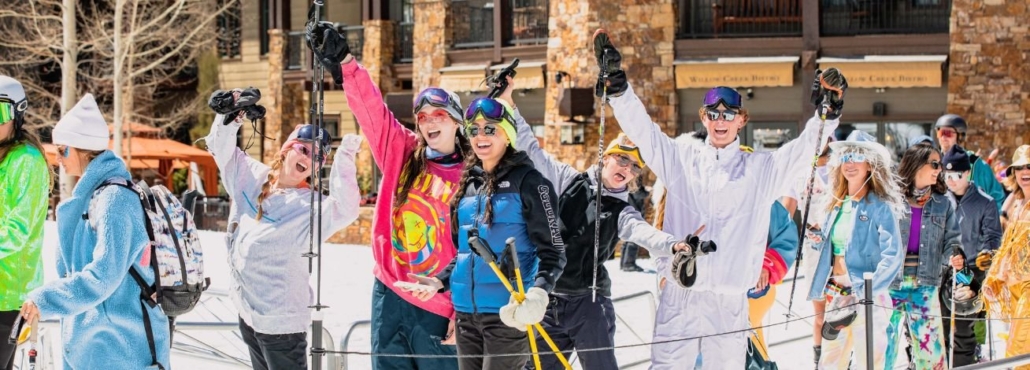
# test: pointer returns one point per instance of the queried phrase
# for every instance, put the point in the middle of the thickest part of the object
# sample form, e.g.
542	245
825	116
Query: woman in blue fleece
97	301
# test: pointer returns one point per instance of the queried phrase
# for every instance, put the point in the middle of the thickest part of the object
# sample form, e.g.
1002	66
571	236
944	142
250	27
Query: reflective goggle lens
727	96
489	130
6	112
727	115
852	158
490	109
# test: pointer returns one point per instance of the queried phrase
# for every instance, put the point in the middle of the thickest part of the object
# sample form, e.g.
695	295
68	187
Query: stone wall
359	232
432	37
644	32
989	80
378	50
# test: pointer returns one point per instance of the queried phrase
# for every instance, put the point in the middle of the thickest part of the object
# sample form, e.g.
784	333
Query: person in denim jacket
914	292
860	235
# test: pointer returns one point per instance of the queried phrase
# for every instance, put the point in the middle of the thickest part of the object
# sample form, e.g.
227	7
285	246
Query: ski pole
808	192
954	289
510	246
316	186
479	246
597	176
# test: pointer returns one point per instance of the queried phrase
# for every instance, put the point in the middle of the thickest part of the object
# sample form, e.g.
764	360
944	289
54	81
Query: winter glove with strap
829	84
609	60
529	312
329	46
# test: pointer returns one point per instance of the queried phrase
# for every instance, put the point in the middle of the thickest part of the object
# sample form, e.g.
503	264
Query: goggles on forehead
488	129
490	109
722	95
436	97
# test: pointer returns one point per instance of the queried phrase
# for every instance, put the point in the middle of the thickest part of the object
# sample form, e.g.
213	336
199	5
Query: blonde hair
1012	186
273	176
882	180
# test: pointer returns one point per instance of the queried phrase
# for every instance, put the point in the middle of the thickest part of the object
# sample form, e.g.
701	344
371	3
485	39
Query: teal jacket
95	298
24	190
984	177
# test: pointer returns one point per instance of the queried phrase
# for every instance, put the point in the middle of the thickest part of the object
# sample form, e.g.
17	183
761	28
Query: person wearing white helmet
22	208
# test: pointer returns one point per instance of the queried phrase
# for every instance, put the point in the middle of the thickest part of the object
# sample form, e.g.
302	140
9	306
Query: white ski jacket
726	190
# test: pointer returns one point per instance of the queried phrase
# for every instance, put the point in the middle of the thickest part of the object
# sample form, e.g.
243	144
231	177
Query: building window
767	137
478	30
264	23
228	24
529	24
402	12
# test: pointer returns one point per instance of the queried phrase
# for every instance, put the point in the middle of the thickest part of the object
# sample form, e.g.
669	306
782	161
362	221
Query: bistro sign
897	72
753	74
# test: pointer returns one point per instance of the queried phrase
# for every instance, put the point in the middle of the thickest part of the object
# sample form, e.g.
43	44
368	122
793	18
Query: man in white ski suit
729	192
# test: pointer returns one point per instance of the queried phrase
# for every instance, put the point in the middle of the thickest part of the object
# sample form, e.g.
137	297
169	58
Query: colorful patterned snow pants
920	308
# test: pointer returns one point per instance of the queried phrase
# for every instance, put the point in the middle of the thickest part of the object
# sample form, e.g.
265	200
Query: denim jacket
939	235
874	246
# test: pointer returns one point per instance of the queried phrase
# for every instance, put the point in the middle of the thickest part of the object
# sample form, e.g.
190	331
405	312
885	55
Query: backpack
175	254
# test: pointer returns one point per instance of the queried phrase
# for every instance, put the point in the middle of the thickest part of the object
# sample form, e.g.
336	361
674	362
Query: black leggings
7	319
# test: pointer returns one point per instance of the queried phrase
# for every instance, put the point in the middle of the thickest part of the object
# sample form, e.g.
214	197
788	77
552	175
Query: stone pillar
378	52
272	98
432	38
644	32
989	73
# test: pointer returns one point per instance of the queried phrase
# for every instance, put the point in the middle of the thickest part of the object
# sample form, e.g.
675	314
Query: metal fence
865	17
739	18
404	52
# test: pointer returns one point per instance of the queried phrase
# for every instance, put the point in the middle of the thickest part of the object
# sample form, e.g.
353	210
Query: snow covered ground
347	290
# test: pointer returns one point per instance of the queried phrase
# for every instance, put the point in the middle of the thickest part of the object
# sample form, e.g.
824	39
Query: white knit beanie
83	127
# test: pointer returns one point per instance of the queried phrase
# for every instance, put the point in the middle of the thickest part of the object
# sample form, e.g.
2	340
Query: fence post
868	302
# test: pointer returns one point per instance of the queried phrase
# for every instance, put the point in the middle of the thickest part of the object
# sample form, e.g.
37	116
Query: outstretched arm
633	228
344	199
555	171
386	136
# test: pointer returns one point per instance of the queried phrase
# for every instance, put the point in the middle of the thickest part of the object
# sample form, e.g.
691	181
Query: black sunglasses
936	165
488	129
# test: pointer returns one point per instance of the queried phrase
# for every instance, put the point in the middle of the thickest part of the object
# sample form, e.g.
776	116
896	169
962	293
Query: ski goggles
722	95
439	98
488	129
6	111
725	115
626	161
947	133
490	109
852	158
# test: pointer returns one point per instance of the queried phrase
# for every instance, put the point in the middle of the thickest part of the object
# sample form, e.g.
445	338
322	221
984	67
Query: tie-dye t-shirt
421	232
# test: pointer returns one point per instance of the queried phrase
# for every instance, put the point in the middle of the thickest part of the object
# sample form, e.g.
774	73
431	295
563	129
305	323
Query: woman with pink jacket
411	231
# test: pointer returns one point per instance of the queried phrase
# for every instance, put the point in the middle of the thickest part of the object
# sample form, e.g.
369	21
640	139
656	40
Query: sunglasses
852	158
436	97
302	149
6	111
1020	168
722	95
489	109
309	133
436	116
952	176
726	115
936	165
947	133
625	161
488	129
64	150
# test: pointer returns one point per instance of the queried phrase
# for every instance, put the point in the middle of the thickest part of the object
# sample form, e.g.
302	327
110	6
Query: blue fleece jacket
95	298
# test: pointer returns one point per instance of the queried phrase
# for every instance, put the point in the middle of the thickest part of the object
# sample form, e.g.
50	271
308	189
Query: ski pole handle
499	81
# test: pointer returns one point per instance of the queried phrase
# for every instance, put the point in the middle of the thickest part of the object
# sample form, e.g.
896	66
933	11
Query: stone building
907	61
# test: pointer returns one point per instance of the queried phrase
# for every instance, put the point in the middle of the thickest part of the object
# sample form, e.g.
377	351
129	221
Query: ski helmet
969	305
953	121
11	90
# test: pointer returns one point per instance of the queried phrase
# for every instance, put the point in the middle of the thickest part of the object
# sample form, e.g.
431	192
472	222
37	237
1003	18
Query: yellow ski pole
480	248
510	246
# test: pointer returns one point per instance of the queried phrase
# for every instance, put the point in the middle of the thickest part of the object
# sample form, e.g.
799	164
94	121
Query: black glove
329	47
609	60
830	83
224	102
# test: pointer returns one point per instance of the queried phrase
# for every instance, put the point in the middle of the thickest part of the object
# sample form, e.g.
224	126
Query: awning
899	71
162	156
528	75
749	72
462	78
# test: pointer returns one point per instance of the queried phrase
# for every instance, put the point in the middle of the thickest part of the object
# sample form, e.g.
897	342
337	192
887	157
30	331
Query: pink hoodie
416	237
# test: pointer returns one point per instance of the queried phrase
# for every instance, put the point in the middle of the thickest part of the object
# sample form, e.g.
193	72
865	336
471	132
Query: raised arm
659	151
344	201
793	161
555	171
386	136
233	164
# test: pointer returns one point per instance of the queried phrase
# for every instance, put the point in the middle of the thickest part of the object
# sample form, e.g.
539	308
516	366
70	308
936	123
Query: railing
739	18
211	213
529	22
404	52
474	25
700	19
865	17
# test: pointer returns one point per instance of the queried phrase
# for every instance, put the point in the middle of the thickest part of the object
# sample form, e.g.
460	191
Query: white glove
529	312
350	144
963	293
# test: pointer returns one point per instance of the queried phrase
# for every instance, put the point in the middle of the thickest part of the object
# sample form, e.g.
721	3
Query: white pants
686	313
837	354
